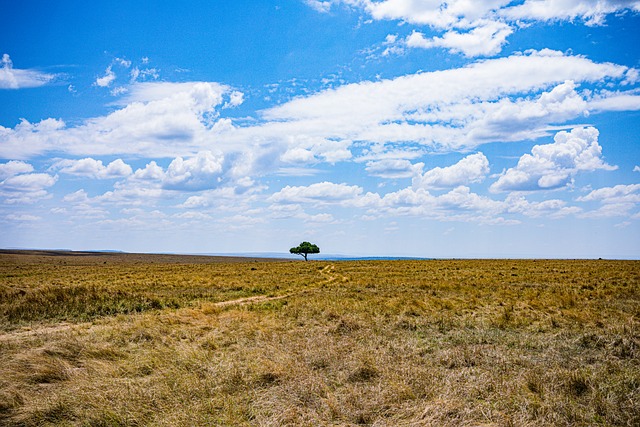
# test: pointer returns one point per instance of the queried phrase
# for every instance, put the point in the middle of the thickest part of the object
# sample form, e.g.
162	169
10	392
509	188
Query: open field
132	340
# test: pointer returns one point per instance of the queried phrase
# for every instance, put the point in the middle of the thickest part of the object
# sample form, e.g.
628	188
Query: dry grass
146	341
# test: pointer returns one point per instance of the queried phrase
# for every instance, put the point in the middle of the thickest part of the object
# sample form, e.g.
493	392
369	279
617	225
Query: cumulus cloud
617	201
553	208
203	95
14	167
197	173
107	79
434	13
480	27
92	168
319	6
458	204
195	202
157	119
617	194
26	188
133	196
28	182
76	197
19	185
592	12
471	169
150	172
449	110
554	165
305	149
322	192
464	13
484	40
13	78
29	139
236	98
298	155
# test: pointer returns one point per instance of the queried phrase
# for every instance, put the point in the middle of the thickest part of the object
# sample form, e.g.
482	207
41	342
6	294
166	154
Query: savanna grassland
133	340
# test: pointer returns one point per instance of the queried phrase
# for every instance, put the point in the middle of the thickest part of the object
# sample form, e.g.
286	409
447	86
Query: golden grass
149	341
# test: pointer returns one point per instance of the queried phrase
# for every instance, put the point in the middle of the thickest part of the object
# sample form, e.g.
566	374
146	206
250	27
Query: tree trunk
305	257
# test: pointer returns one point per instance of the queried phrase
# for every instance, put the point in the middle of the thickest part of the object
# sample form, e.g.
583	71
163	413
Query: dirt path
250	300
42	330
327	271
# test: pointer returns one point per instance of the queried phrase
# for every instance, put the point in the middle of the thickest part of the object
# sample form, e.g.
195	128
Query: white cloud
322	218
319	6
471	169
136	74
323	192
82	206
197	173
449	110
13	78
304	149
553	208
134	196
417	40
14	167
479	27
92	168
195	202
465	13
526	118
193	216
393	168
434	13
202	95
79	196
554	165
612	210
23	217
617	194
236	98
28	182
26	188
27	139
297	171
150	172
298	155
158	120
483	40
615	101
107	79
592	12
636	168
459	204
123	62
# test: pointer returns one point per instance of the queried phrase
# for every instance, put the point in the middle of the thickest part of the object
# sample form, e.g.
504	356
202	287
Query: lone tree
304	249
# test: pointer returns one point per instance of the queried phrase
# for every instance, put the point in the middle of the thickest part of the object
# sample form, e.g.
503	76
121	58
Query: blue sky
486	128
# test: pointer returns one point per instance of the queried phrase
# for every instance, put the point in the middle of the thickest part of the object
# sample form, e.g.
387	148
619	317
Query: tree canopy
304	249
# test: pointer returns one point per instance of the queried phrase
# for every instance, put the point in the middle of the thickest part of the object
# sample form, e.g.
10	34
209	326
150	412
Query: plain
90	339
